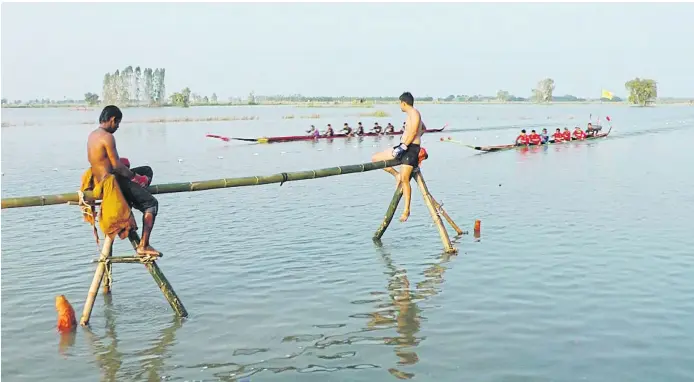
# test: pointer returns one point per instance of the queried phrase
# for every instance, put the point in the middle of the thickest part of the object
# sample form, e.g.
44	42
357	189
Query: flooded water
583	271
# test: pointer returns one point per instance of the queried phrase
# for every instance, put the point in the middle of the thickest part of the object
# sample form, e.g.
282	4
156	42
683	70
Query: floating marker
66	314
477	226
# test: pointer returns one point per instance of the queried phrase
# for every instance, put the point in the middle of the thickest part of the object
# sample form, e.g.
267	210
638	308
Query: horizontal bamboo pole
127	260
167	188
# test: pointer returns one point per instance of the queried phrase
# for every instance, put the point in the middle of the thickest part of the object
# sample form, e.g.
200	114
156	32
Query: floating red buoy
477	226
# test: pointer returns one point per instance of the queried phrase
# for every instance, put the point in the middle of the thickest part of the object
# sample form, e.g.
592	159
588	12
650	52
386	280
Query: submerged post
389	214
448	247
96	281
445	215
161	280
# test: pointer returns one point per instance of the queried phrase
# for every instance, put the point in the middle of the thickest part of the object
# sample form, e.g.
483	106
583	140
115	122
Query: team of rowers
348	131
559	136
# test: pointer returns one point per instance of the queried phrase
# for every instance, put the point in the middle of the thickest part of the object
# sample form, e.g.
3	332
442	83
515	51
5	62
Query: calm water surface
584	271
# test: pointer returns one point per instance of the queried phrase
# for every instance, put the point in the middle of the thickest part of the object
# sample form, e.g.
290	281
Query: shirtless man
407	151
104	159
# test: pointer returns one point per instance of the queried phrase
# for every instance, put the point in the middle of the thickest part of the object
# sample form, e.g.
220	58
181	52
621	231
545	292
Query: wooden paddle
227	139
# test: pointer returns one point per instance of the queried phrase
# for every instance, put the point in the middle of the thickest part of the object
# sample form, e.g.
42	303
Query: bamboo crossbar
127	259
167	188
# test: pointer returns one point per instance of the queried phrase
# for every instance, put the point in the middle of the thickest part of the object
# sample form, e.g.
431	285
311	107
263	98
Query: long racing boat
295	138
514	146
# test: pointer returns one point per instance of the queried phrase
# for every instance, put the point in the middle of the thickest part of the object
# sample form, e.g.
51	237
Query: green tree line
132	87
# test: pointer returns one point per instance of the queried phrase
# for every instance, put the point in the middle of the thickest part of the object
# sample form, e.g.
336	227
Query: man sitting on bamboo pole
104	160
407	151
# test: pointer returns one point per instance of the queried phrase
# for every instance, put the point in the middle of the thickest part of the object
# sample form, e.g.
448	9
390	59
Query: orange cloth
422	155
66	315
115	215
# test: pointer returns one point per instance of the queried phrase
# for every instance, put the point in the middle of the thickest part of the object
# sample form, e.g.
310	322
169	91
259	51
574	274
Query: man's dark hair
523	131
110	111
407	98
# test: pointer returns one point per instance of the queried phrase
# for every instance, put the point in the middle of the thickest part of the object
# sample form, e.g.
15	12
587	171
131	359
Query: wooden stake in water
161	280
447	246
389	214
96	281
445	215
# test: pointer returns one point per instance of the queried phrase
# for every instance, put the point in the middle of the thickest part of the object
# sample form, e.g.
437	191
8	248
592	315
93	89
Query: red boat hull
293	138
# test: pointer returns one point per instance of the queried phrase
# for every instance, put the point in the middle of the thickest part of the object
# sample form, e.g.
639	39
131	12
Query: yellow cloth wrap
115	215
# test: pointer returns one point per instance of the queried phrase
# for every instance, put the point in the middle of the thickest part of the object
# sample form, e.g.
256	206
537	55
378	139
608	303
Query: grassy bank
366	105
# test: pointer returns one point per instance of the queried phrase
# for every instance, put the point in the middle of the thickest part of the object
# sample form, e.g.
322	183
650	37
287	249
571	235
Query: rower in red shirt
566	134
522	139
579	134
534	138
558	136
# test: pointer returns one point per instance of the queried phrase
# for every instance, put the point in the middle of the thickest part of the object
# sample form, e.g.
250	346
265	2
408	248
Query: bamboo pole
96	281
389	214
109	280
125	260
161	280
445	215
448	247
44	200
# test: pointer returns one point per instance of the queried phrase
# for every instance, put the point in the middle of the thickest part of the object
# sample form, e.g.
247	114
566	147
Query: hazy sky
59	49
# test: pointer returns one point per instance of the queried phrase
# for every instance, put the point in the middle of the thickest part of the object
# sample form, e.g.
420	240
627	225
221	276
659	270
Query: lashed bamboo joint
103	273
435	209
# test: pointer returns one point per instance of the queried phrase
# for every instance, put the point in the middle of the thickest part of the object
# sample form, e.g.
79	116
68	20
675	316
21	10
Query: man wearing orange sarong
117	186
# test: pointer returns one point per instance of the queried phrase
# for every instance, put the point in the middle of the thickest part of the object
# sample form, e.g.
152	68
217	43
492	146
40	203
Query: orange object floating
66	315
477	226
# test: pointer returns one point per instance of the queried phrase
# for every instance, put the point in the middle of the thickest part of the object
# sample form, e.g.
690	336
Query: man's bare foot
147	251
404	216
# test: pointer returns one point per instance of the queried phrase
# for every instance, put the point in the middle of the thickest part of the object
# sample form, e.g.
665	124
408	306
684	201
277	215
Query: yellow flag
606	94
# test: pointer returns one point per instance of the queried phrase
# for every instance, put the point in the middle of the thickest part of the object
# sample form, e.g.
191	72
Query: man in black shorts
407	151
104	160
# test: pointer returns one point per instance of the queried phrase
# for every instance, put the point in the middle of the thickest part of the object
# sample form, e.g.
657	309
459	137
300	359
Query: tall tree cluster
544	90
134	87
642	91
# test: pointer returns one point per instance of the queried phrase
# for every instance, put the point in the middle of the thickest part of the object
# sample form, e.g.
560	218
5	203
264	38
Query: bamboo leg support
161	280
389	214
96	281
448	247
109	280
445	215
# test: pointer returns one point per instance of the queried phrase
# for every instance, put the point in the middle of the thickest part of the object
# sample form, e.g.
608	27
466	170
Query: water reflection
110	359
402	312
67	340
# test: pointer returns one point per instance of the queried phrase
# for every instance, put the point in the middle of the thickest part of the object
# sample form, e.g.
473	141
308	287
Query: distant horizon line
315	98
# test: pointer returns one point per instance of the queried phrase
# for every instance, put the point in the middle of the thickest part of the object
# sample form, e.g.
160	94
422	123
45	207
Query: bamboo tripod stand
435	210
104	269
